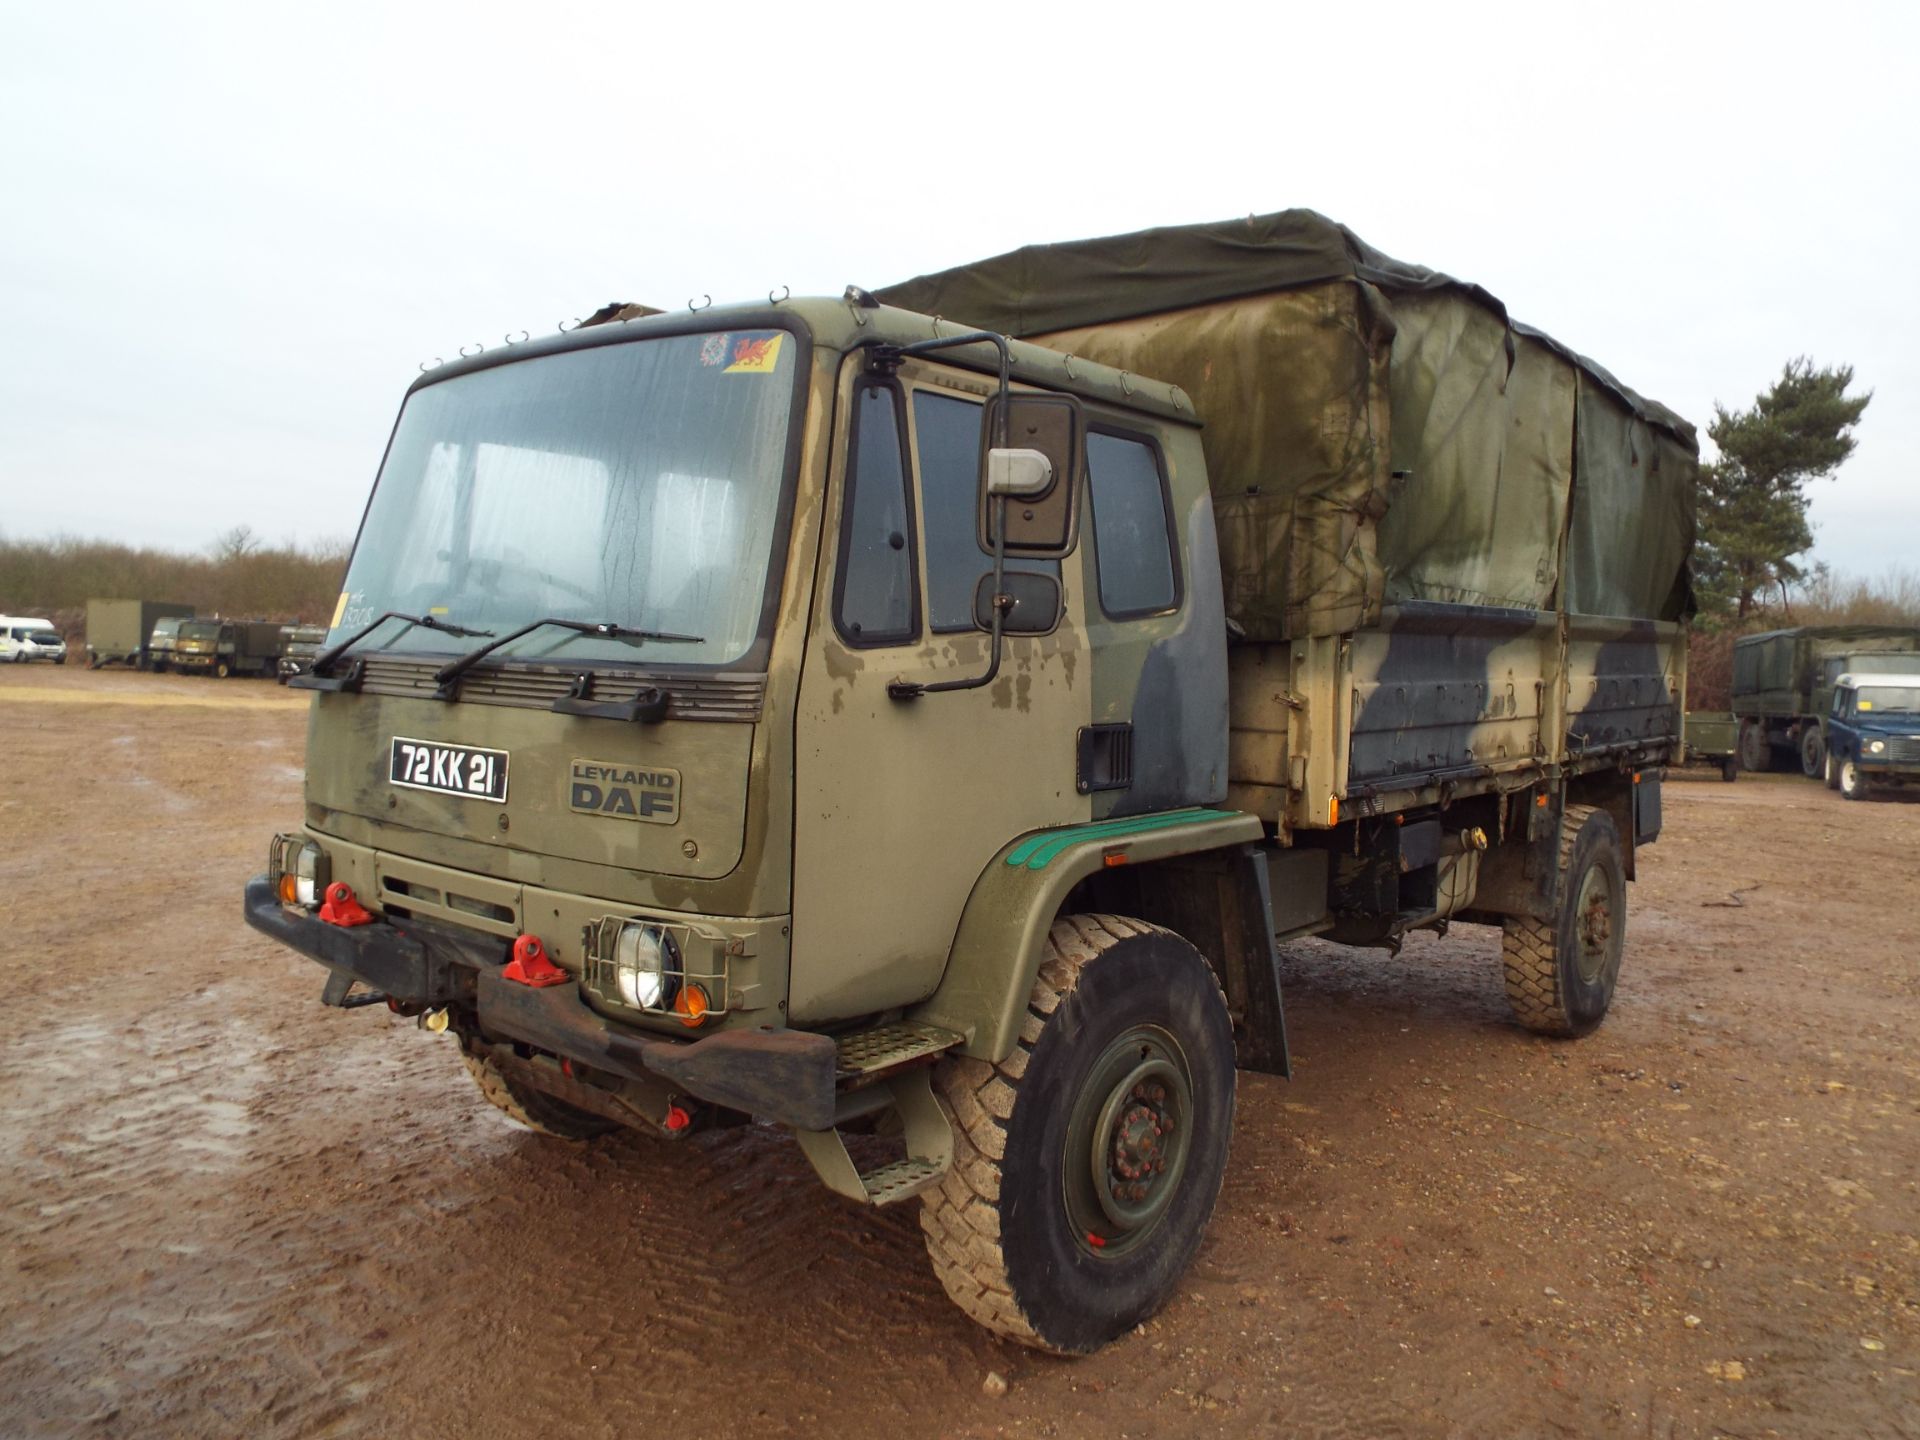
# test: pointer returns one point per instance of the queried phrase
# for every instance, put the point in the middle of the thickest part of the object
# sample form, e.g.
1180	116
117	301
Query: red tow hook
341	908
530	965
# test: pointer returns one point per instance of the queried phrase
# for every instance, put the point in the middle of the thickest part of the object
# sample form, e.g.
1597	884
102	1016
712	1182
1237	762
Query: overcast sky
230	233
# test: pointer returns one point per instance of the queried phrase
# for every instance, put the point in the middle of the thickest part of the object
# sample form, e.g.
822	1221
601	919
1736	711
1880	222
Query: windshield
200	630
637	483
1889	700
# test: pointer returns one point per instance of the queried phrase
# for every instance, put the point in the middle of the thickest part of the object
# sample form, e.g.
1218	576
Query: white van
23	638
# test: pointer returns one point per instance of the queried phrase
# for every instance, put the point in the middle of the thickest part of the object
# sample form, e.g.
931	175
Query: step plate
866	1052
901	1180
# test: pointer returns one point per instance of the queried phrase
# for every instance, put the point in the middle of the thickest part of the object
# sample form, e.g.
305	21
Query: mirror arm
889	357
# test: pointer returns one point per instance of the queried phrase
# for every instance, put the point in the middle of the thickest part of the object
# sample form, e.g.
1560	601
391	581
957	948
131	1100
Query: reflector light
289	889
691	1005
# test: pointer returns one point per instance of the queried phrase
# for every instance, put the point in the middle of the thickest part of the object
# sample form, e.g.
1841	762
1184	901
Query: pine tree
1753	501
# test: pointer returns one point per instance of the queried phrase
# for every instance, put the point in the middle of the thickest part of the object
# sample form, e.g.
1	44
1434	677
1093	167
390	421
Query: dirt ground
225	1210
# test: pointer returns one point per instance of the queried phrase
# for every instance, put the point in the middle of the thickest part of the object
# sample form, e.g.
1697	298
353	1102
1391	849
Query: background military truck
120	632
160	644
298	646
227	647
825	712
1783	686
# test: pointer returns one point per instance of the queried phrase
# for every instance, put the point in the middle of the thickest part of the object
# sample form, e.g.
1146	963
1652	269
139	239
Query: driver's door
899	805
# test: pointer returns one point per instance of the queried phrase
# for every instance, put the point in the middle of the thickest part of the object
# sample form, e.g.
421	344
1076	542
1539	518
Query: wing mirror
1028	604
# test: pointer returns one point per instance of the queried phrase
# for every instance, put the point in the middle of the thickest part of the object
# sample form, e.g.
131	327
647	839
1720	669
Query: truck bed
1441	698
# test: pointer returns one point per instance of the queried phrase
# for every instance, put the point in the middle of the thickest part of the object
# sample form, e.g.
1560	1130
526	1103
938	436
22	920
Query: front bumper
787	1076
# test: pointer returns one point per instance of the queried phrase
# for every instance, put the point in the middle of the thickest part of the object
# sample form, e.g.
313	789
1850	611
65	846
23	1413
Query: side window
875	601
1132	547
947	433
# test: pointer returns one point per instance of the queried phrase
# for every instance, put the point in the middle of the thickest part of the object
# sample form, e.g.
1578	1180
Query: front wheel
1730	769
543	1114
1831	768
1560	974
1087	1163
1853	781
221	670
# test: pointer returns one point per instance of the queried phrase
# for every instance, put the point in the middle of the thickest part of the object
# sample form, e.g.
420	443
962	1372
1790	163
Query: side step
877	1070
866	1054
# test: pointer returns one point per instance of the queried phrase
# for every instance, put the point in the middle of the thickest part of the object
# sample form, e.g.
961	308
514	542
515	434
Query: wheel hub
1127	1140
1593	924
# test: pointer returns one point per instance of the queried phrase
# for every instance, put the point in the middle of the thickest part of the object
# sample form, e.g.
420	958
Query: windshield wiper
319	675
448	674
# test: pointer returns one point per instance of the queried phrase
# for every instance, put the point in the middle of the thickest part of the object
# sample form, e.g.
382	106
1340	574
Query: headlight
645	966
1876	747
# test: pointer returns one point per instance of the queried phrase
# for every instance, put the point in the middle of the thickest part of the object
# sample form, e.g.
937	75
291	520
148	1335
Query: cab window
876	600
1132	526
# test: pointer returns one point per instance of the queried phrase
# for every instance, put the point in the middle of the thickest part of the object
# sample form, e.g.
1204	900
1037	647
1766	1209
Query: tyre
1853	781
1755	753
1560	974
221	669
540	1113
59	659
1730	769
1813	752
1087	1163
1831	768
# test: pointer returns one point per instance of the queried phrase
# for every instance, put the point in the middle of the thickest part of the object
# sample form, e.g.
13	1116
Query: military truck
120	632
161	643
1783	686
298	645
833	714
227	647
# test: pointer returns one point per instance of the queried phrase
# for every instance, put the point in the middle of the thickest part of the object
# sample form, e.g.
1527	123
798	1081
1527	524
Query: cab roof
853	321
1867	680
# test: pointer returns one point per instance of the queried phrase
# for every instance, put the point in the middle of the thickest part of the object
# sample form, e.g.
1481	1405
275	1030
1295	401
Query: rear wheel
1813	752
1086	1164
1755	754
1853	781
1730	769
538	1112
1560	974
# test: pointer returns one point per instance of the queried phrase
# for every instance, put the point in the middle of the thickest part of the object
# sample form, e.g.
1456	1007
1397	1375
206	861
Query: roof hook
508	337
477	348
785	294
437	363
706	304
565	327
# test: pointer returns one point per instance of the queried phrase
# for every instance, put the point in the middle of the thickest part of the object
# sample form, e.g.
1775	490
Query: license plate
449	769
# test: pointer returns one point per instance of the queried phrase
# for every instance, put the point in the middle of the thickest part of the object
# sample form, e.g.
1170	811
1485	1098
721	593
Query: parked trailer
1713	736
1783	686
925	730
120	632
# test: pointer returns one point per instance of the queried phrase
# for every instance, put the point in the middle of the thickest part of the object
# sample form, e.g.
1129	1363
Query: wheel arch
1002	936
